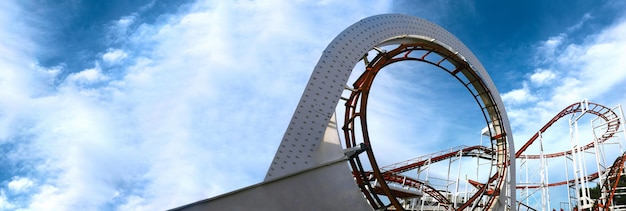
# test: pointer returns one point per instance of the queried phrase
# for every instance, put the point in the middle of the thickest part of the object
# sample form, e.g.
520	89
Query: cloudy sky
149	105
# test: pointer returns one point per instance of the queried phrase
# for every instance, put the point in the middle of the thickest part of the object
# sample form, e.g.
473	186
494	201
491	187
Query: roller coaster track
392	172
613	177
588	178
611	118
612	122
417	184
431	191
417	49
465	151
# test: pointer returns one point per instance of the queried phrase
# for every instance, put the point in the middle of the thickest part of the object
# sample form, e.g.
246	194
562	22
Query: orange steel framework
356	116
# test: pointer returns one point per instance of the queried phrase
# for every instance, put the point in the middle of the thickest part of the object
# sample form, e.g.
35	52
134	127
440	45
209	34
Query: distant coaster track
610	117
464	151
612	122
392	172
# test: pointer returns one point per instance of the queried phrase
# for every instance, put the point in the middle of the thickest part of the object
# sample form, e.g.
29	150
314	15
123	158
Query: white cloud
20	184
554	42
114	55
548	48
48	199
542	77
119	30
87	76
518	96
553	47
126	21
595	68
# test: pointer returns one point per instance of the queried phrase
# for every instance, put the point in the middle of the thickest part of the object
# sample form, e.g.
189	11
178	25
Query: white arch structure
311	170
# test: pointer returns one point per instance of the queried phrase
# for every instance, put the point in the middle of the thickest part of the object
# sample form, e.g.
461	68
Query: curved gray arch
303	144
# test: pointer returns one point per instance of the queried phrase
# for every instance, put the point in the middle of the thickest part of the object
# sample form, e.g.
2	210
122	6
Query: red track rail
612	121
601	111
612	124
473	151
391	172
356	118
414	183
611	118
588	178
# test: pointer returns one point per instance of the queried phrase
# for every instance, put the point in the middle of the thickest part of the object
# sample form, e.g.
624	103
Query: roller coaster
416	49
408	188
322	155
388	187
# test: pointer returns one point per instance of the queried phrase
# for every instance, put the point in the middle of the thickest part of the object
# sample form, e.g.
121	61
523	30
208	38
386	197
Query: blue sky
154	104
